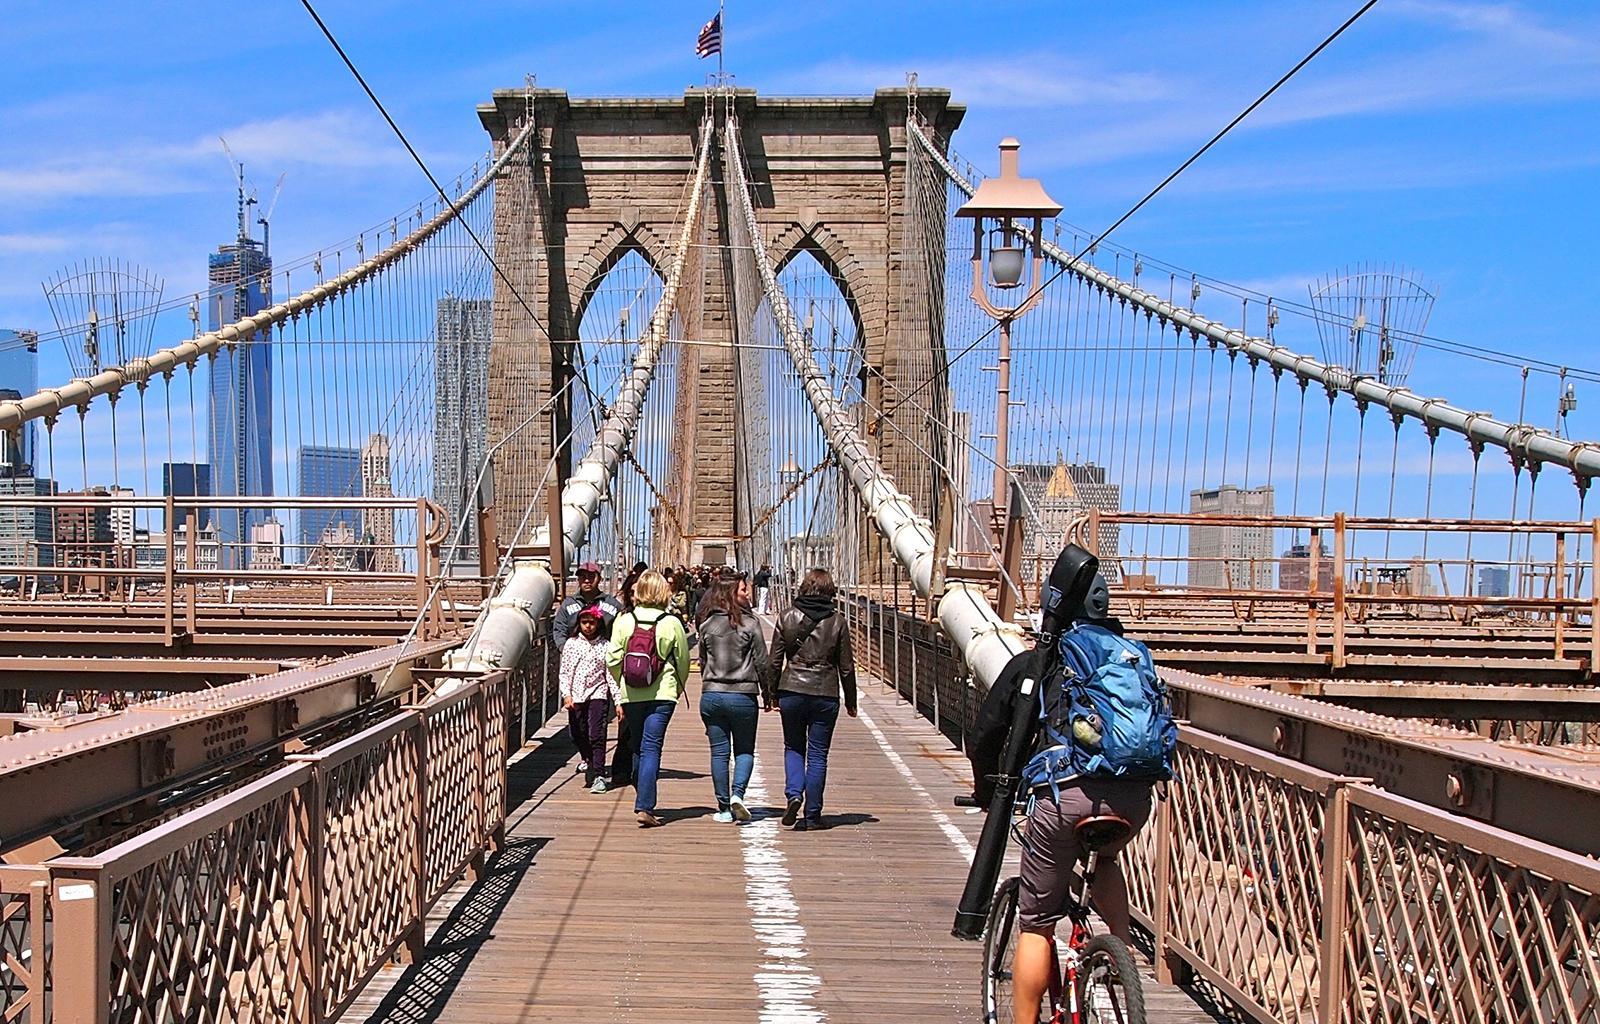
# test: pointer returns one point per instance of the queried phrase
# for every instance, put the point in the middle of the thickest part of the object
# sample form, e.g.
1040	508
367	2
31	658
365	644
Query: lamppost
1011	211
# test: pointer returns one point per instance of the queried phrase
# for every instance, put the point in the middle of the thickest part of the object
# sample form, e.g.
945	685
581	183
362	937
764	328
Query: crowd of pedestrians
628	657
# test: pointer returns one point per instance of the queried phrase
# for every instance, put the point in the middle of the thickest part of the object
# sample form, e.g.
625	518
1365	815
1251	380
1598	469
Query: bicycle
1094	973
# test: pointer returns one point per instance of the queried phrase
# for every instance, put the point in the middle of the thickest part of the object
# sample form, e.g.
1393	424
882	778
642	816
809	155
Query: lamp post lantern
1011	211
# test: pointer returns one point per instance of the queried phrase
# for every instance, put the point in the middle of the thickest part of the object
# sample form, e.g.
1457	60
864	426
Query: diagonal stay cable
415	156
1170	178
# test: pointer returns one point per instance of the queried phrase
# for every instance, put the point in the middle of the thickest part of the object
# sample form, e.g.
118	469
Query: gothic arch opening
612	313
792	502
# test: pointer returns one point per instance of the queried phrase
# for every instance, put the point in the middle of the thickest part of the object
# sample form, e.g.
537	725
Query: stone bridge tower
608	176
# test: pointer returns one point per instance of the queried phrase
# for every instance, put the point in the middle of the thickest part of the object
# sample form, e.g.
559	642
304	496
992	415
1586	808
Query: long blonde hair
652	590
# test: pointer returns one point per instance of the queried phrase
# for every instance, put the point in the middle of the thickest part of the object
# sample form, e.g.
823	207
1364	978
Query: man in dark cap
588	596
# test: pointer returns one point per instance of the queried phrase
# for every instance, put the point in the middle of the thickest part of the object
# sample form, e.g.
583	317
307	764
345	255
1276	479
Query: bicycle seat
1098	831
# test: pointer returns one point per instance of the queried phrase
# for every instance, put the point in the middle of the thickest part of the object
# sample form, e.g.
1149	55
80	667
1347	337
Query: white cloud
11	244
336	140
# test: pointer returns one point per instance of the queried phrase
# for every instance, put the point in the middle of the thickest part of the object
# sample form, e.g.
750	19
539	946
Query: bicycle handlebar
967	801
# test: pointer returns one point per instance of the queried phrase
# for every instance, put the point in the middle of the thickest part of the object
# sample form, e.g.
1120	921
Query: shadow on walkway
422	992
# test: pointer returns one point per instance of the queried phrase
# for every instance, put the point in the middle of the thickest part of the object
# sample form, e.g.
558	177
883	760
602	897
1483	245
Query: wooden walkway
586	917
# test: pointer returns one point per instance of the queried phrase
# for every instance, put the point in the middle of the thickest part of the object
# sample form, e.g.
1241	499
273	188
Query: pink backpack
641	662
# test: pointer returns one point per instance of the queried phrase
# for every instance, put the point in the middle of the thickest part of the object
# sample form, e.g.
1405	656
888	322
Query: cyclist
1077	594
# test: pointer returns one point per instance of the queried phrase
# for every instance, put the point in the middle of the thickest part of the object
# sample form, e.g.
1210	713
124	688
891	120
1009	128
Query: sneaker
648	820
791	812
814	825
599	786
802	825
583	766
740	812
722	818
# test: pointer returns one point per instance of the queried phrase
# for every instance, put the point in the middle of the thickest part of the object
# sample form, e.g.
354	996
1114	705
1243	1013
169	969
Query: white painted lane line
784	981
957	838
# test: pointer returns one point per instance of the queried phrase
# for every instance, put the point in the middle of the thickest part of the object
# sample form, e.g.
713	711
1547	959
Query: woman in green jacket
648	707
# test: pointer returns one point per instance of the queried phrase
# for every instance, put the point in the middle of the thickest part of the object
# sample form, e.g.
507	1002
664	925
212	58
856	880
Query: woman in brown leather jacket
814	640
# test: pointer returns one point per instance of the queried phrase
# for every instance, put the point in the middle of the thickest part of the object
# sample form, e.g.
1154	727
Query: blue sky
1446	136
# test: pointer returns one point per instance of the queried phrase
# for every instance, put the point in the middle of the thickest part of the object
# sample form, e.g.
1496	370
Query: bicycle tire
1107	964
999	946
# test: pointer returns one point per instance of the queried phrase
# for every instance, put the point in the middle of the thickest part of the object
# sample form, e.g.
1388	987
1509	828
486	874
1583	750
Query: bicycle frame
1065	958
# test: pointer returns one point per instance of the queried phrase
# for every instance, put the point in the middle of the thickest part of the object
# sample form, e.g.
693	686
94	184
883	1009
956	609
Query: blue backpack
1103	712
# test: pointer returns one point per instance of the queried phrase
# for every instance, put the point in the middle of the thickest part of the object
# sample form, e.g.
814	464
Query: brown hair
722	597
818	582
651	590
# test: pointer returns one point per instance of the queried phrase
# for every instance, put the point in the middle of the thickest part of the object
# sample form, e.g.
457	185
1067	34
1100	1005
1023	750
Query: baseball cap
590	567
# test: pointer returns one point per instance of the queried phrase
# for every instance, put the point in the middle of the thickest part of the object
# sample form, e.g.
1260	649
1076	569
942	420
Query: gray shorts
1047	869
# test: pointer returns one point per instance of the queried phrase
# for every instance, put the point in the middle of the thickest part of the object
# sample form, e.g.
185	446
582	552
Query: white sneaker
583	766
722	818
740	812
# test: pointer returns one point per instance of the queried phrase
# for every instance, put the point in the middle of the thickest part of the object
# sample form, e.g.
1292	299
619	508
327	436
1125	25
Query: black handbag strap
793	647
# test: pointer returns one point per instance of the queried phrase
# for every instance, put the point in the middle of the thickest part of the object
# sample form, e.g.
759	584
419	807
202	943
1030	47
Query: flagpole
722	43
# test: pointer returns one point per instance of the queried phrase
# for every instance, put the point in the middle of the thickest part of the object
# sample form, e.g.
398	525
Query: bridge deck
587	917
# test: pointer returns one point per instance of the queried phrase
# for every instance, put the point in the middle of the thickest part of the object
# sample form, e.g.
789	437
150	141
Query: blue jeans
807	733
730	725
649	720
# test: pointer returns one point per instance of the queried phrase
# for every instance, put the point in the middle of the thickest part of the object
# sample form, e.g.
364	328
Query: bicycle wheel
999	946
1109	987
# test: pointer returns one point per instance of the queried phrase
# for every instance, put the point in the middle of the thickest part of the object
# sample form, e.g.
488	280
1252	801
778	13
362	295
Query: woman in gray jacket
815	640
733	661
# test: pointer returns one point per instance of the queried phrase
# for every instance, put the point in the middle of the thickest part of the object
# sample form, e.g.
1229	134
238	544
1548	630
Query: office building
83	539
378	537
1294	568
207	549
27	535
19	378
122	517
335	547
1232	557
1494	581
327	472
239	434
460	410
187	480
266	545
1058	495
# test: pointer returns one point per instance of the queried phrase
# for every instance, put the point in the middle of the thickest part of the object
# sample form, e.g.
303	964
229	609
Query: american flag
710	41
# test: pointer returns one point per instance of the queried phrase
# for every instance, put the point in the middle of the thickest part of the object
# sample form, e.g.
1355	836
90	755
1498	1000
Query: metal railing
277	901
177	580
1309	897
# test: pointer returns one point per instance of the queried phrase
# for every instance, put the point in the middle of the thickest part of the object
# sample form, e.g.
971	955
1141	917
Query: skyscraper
327	472
19	372
1232	557
378	537
240	421
460	408
27	535
187	480
1060	494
